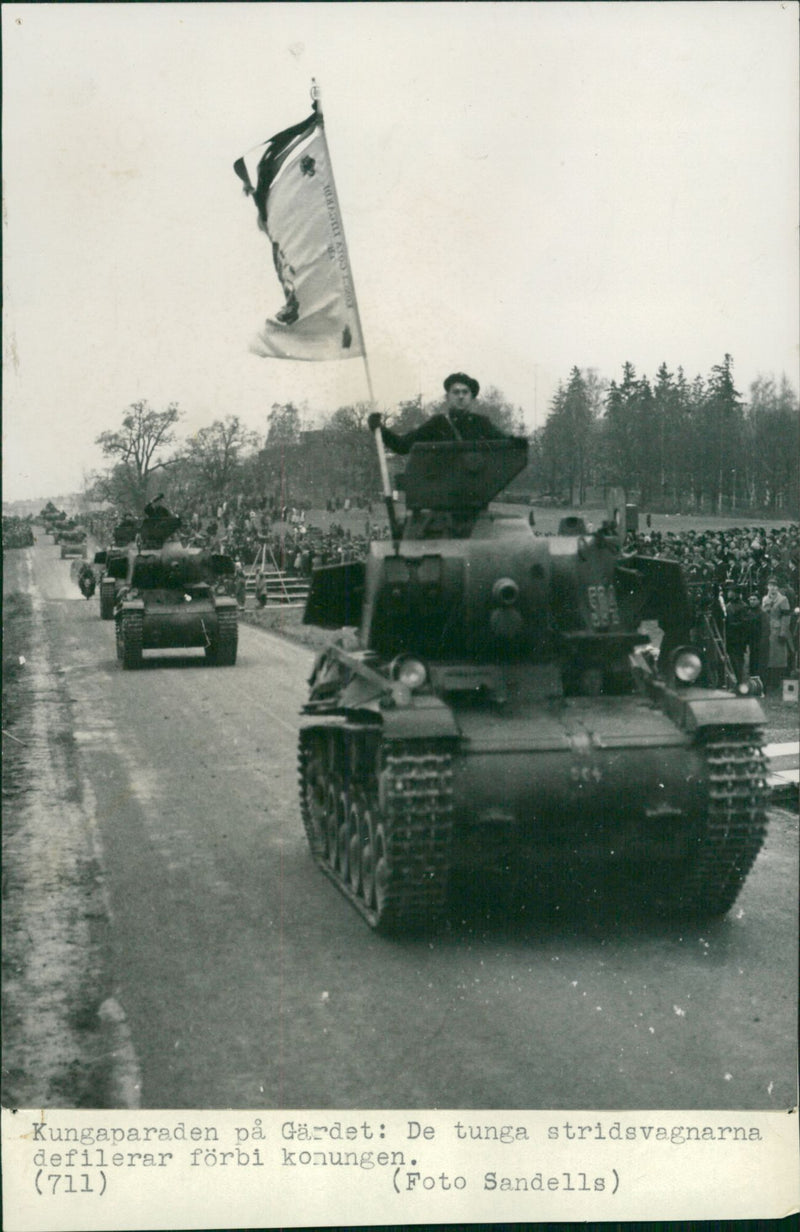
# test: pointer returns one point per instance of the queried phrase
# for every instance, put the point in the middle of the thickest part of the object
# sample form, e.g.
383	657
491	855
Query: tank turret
125	531
494	701
158	524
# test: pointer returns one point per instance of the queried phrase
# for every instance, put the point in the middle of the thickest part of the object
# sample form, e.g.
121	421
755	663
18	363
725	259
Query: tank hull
614	787
170	623
500	709
168	626
579	778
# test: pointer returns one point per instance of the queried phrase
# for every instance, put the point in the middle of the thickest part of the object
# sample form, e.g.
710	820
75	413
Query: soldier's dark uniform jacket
457	426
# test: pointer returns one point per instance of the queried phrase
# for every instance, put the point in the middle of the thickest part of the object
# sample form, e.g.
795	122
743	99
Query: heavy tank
492	706
177	597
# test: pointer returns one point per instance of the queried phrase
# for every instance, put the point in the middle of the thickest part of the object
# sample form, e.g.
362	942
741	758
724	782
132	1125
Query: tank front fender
695	709
428	718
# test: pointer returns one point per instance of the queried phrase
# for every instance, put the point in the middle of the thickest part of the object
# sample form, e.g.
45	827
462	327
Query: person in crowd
737	621
778	611
240	584
754	638
458	422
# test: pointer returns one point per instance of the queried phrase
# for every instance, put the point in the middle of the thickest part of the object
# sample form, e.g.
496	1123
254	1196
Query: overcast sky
524	187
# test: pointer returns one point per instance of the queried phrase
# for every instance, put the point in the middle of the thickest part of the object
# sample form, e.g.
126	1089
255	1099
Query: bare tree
214	453
136	445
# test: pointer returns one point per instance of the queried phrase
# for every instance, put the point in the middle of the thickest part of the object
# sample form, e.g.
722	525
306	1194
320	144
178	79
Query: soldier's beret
461	378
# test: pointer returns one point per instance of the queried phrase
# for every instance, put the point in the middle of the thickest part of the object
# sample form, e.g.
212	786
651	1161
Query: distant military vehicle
114	563
115	560
72	541
177	597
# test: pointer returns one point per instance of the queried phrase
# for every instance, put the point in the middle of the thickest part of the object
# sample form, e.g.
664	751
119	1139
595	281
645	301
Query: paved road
247	981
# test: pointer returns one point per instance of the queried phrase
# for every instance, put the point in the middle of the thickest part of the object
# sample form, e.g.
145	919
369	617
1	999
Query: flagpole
316	98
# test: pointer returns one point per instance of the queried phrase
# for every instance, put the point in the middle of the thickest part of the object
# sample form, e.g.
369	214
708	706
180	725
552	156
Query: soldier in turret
456	423
125	530
158	524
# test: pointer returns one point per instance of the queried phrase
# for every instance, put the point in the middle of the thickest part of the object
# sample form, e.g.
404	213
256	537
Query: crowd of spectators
17	532
745	580
283	536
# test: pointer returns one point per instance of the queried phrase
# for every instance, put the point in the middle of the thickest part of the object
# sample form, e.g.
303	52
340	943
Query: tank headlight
505	591
409	671
687	666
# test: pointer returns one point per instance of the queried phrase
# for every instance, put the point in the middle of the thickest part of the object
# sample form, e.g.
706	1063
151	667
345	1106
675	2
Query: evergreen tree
622	430
773	435
568	437
723	417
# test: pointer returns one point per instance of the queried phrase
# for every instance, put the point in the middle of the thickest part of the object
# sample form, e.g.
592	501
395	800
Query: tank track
106	600
734	827
222	652
131	633
412	843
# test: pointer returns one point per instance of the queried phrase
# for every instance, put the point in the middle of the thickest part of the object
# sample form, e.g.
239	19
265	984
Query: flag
289	178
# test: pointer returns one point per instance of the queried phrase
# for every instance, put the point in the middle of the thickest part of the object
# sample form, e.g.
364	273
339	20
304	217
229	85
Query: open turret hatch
460	474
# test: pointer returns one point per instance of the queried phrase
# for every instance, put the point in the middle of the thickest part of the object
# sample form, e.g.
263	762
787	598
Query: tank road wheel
131	640
381	861
313	790
392	861
732	831
224	643
106	600
343	838
368	856
332	808
355	841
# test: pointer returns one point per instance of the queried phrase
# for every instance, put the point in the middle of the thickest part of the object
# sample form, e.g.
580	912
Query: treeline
675	444
671	443
294	462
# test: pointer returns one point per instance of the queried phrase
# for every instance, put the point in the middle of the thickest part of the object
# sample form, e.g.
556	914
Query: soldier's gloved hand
374	421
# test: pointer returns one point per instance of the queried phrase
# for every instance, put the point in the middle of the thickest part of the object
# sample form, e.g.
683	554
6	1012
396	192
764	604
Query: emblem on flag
290	180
